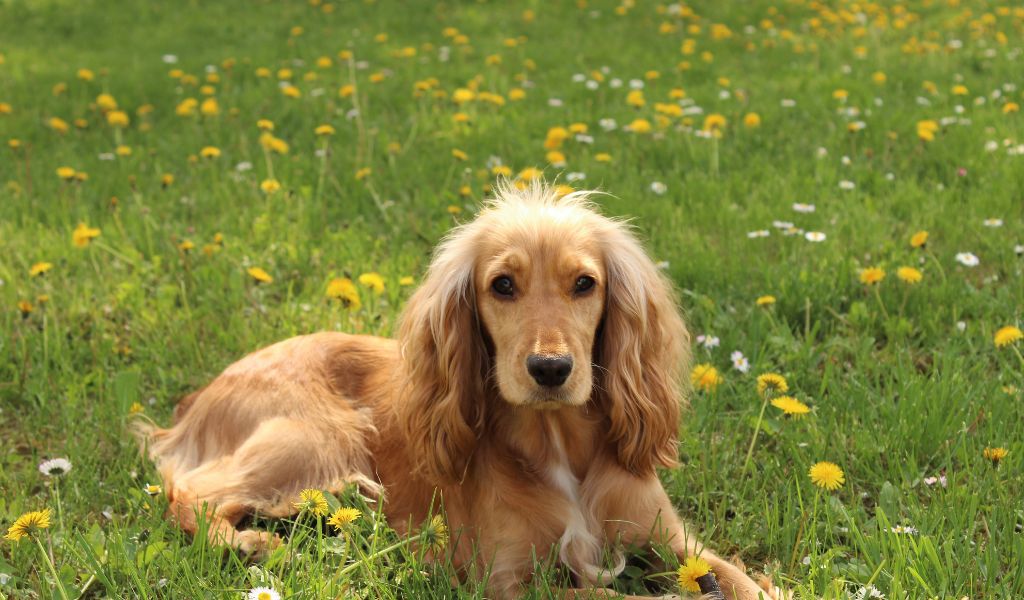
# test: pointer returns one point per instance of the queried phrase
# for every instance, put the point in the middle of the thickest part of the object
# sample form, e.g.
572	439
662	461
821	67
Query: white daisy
608	124
760	233
658	187
170	59
802	207
263	593
967	259
55	467
782	225
868	591
814	236
575	176
739	362
846	184
993	222
708	341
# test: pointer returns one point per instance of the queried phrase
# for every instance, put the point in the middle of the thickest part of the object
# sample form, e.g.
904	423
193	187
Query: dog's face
540	299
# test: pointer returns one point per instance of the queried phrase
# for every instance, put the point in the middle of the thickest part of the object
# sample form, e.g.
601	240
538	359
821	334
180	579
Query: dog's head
553	306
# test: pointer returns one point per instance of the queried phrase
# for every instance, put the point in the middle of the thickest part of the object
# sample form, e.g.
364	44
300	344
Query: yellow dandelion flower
516	94
186	245
363	173
751	120
265	125
166	180
291	91
879	78
459	154
136	408
83	234
259	275
995	454
705	377
123	150
86	74
28	524
346	90
39	268
313	501
919	239
59	125
791	406
635	98
1011	107
765	300
827	475
909	275
501	171
771	383
118	118
693	568
714	123
373	281
269	186
343	516
454	209
640	126
187	107
406	281
344	290
210	152
210	107
530	173
324	130
1007	335
65	173
106	102
463	95
435	534
927	129
603	157
872	275
25	307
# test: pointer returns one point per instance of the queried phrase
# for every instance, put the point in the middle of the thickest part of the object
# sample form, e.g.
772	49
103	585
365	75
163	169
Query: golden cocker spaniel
533	388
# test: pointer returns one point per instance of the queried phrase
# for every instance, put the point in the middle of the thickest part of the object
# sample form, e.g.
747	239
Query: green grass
899	392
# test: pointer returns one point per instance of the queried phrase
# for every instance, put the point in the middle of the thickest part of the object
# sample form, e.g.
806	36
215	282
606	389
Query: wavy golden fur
534	388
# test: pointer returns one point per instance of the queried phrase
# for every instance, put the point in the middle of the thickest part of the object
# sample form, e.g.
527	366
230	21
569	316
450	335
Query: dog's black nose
551	371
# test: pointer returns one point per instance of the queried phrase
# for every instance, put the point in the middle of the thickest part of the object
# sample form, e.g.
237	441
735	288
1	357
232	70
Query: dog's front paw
772	591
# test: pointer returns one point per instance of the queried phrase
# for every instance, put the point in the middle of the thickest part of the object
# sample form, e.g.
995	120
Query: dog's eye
584	284
502	286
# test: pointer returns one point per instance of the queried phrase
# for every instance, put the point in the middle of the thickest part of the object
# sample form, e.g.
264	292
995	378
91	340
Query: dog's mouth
548	399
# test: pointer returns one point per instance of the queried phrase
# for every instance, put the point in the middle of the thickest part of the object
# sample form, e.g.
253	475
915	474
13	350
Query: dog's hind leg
265	474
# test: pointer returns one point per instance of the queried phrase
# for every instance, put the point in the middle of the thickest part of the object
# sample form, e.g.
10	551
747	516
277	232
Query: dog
534	387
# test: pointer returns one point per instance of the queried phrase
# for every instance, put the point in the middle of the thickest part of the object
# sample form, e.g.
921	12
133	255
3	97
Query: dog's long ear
440	403
644	349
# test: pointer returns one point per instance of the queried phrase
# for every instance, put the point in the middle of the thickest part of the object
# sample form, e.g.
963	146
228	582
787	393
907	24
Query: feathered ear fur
444	362
644	349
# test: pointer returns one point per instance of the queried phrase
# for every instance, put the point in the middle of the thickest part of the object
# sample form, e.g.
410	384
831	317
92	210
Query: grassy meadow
181	183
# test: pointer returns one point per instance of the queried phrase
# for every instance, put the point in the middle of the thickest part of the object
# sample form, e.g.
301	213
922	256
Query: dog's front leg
638	511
